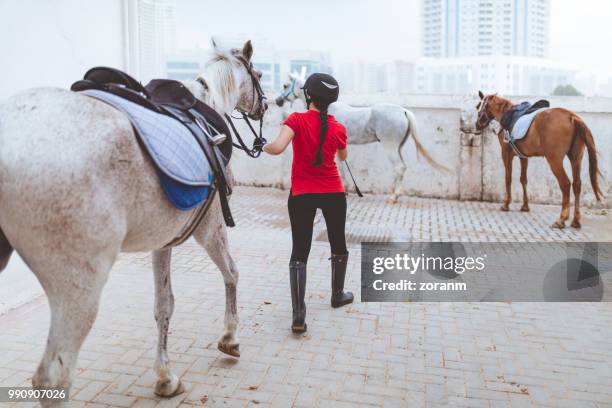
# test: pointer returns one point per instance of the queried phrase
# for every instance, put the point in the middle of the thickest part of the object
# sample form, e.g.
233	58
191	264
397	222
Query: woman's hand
282	141
342	154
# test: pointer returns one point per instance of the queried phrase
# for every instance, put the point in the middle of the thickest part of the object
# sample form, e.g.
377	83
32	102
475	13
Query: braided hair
322	107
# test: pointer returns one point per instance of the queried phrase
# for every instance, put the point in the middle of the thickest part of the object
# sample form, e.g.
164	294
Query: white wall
476	168
53	43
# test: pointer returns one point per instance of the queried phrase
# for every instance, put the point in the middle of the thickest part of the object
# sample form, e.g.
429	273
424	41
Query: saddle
510	117
171	99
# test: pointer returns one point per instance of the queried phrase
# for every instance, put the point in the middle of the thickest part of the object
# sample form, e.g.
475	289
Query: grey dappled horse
76	189
386	123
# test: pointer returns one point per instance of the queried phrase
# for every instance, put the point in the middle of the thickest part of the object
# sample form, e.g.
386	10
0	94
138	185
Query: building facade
274	65
507	75
460	28
151	36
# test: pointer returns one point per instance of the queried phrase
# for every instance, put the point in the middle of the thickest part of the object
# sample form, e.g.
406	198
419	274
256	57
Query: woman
315	183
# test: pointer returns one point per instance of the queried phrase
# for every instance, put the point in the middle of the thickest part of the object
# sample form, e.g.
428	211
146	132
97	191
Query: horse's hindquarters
73	178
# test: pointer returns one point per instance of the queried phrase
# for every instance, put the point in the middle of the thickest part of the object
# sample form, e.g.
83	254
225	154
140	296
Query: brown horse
554	134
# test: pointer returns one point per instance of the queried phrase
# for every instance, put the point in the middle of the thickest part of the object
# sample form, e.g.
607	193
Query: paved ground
391	354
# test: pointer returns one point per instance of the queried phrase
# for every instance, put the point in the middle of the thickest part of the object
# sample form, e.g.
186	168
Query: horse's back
62	131
389	119
554	123
356	120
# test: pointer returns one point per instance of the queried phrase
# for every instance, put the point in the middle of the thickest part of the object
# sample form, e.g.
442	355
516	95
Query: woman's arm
282	141
342	154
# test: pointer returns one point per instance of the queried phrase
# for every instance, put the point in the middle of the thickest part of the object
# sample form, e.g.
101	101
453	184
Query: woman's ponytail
323	114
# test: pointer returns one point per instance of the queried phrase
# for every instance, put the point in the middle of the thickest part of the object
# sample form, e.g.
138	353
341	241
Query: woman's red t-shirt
305	177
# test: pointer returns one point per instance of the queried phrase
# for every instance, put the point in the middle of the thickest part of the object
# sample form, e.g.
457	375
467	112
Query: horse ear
481	94
247	50
213	42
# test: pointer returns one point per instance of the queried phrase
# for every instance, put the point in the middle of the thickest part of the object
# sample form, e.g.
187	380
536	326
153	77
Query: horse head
231	81
489	107
292	90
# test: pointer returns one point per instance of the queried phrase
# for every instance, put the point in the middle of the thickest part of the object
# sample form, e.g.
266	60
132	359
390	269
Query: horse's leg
212	235
399	169
73	289
576	160
556	165
168	383
507	157
524	163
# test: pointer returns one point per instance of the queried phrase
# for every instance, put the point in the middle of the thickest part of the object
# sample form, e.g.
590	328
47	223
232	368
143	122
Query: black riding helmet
322	87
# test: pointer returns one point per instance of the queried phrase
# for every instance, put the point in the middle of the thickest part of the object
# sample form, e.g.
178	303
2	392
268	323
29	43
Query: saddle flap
217	121
170	92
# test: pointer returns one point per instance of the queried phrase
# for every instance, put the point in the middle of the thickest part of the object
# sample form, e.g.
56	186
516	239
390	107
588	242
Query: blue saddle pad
182	166
183	196
522	125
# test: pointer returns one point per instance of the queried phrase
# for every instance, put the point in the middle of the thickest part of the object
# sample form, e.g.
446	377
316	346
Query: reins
259	141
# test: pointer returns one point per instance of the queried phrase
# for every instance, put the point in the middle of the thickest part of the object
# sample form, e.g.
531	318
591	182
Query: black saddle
172	98
510	117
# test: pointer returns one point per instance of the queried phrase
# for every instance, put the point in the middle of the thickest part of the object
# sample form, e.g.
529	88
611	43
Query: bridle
290	91
259	98
483	112
259	141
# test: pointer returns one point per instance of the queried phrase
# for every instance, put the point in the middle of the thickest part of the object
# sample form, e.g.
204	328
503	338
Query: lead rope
353	178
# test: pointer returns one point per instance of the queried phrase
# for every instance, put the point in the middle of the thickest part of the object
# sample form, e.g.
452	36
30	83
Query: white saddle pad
522	125
170	144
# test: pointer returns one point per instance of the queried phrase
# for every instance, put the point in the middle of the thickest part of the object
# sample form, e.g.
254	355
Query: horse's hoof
392	200
169	388
558	224
525	208
505	208
576	224
230	349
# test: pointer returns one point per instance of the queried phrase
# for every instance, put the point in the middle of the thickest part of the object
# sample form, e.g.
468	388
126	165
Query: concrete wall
53	43
474	159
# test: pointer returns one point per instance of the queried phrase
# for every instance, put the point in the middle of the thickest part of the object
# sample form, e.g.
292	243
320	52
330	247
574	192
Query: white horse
386	123
76	189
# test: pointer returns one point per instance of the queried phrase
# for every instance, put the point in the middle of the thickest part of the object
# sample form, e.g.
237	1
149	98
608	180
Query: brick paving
367	354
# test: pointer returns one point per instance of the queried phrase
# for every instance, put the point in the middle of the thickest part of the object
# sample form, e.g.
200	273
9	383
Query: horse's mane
220	80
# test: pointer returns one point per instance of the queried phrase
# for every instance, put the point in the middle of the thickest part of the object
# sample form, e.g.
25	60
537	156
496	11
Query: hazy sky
380	30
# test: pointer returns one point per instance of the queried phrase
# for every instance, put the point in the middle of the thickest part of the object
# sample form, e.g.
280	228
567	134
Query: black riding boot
339	298
297	278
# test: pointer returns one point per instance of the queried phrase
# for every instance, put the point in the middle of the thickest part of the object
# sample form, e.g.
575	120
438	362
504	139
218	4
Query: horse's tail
582	131
413	130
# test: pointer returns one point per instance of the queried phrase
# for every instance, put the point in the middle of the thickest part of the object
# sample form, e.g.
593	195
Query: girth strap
508	139
195	221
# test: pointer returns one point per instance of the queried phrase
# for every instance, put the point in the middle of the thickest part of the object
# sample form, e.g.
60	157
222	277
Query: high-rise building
151	33
461	28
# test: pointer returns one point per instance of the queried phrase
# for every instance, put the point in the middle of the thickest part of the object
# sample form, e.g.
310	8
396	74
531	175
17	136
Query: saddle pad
183	196
170	144
522	125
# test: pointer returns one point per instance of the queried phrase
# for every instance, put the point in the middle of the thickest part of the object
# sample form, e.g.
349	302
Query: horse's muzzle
280	101
481	124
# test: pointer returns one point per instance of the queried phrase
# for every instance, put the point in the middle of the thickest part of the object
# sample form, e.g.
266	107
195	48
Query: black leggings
302	211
